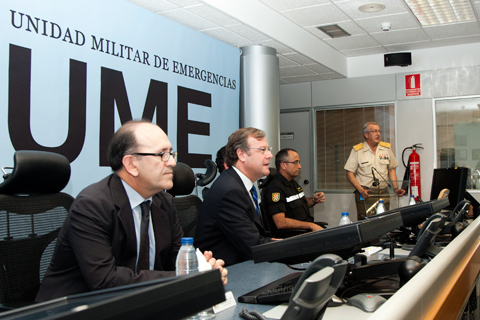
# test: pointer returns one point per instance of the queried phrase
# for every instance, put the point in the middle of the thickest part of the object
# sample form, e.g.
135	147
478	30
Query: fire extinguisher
412	170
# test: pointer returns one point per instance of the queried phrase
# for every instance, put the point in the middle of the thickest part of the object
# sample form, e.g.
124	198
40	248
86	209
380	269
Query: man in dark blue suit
229	221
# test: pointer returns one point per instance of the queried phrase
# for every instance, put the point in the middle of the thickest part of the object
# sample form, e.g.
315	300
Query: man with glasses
285	200
229	222
368	168
122	229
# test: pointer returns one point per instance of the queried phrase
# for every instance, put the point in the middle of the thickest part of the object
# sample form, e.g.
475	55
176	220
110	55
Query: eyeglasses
375	131
262	150
165	156
296	162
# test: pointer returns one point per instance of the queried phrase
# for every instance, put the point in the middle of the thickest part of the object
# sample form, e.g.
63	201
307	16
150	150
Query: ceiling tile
364	51
311	78
456	41
391	7
184	3
154	6
366	38
295	70
281	49
400	36
298	58
353	42
248	32
226	36
453	30
318	68
408	46
210	14
285	62
316	15
282	5
188	19
397	22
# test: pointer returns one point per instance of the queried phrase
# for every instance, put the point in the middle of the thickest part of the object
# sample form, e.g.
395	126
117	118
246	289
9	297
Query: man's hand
217	264
365	193
400	192
318	197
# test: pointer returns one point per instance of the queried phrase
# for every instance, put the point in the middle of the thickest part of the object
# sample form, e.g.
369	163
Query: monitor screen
171	298
413	215
454	179
344	241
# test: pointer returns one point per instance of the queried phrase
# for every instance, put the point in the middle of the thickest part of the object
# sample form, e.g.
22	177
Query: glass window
458	131
337	131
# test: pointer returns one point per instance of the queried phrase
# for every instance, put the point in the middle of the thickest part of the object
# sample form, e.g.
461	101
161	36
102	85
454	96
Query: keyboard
276	292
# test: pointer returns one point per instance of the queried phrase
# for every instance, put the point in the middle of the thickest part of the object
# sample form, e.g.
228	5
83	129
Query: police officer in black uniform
285	200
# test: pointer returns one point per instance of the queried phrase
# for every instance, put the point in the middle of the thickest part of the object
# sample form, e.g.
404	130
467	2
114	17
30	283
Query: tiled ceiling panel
297	64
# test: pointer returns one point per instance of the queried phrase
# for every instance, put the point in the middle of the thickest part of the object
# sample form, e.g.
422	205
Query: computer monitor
413	215
171	298
454	179
474	202
343	241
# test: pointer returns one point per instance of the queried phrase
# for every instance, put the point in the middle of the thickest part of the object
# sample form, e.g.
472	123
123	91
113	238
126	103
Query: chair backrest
32	210
188	206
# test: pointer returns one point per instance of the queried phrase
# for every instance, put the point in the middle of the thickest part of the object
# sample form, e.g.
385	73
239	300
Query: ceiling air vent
334	31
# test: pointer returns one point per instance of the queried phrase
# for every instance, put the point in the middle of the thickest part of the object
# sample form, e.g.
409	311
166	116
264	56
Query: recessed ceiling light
371	7
432	12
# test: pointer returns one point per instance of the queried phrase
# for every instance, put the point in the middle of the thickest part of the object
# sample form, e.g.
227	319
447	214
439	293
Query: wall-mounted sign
286	136
412	85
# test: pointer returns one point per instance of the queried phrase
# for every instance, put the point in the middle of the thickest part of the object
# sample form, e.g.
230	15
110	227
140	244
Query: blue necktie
255	199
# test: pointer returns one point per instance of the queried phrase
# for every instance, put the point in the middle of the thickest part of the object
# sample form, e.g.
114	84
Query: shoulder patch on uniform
275	196
385	144
358	146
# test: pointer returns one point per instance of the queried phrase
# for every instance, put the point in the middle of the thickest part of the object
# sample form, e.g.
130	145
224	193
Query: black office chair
188	206
207	177
32	210
184	181
269	224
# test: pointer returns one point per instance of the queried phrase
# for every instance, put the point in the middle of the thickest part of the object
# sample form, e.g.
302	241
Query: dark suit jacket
228	224
97	247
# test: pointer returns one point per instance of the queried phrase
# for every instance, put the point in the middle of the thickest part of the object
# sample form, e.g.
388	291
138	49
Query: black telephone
315	288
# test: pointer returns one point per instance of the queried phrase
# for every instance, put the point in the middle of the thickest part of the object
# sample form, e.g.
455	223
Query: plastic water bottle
345	219
412	200
380	207
187	262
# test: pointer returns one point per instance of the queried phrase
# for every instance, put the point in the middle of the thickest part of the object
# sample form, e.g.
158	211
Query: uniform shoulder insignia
385	144
358	146
275	196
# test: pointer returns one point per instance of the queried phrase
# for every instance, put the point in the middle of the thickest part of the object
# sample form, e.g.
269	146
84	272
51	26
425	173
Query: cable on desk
295	268
251	315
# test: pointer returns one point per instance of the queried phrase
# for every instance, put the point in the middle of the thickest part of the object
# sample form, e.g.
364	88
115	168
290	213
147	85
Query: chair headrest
209	175
262	183
37	172
183	180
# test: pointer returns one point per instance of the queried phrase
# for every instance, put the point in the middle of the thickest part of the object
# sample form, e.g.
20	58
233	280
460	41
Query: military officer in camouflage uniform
369	166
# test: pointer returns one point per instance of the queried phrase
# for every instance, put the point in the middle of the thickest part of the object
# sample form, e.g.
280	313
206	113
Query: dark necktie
255	199
144	254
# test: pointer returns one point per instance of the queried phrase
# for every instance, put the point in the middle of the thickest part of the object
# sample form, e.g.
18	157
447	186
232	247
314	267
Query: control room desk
247	276
438	291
